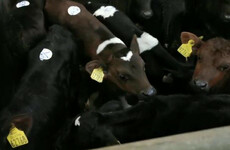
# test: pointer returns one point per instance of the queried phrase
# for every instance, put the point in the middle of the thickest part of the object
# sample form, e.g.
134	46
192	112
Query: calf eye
224	67
123	77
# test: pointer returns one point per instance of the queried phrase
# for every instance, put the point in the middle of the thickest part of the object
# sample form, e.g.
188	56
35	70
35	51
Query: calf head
212	71
124	67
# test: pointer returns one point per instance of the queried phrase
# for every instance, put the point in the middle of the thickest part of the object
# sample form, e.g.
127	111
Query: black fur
43	93
156	117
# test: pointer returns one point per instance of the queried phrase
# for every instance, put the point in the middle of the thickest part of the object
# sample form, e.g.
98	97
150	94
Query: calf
39	103
211	73
159	63
122	66
21	27
159	116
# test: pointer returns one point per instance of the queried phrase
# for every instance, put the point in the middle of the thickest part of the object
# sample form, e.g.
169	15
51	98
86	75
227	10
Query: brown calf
212	72
122	66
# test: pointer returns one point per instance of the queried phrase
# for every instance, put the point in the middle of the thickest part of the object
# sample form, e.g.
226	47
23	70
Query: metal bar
212	139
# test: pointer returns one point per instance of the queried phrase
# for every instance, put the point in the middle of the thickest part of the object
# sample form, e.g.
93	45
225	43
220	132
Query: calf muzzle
203	85
146	14
149	91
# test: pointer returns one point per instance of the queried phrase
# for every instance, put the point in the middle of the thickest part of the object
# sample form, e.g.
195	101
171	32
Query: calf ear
134	47
23	122
186	36
90	66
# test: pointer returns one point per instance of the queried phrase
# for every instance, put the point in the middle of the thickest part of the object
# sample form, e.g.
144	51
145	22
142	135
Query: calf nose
147	14
149	92
201	84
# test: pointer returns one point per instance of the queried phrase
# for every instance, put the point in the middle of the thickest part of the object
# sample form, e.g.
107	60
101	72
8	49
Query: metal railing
211	139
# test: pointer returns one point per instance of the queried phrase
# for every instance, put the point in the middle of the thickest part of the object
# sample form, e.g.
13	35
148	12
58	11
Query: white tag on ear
45	54
22	4
73	10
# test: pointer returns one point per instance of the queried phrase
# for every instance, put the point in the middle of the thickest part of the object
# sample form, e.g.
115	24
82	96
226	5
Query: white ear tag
45	54
22	4
73	10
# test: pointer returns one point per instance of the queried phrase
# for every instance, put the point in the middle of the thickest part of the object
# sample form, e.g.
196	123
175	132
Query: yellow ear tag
17	137
97	75
186	49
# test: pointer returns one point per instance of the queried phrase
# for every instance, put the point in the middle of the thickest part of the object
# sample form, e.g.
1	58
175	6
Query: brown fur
83	25
213	64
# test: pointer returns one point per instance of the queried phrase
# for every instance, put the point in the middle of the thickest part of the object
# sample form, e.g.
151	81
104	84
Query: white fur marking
146	42
114	40
45	54
128	56
22	4
73	10
105	11
77	121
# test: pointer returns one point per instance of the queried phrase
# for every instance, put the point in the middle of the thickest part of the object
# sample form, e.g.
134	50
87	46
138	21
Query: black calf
38	105
160	116
21	27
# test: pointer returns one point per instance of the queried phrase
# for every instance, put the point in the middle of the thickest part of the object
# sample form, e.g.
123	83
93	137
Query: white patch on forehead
77	121
114	40
105	11
73	10
146	42
45	54
22	4
128	56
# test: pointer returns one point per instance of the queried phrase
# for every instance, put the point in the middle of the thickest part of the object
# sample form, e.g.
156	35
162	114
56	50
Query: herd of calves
84	75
